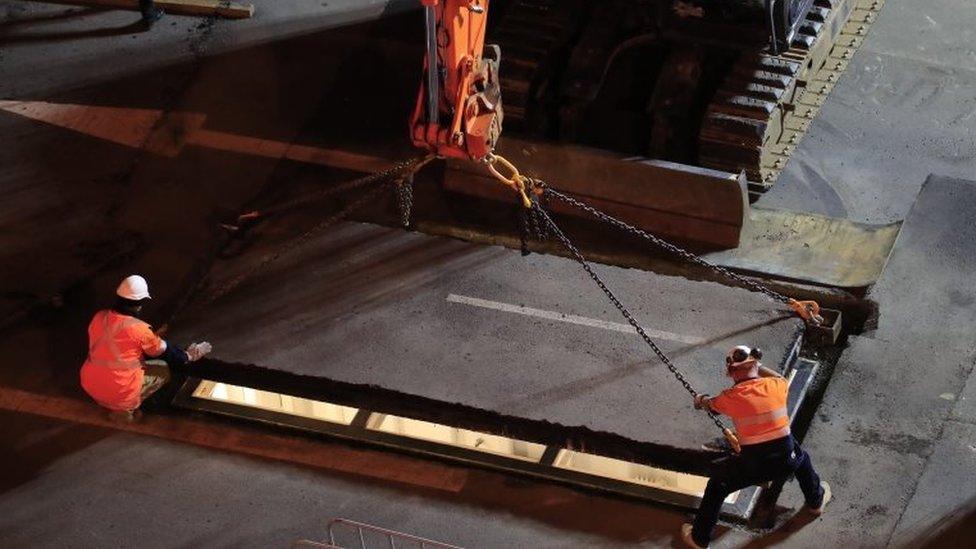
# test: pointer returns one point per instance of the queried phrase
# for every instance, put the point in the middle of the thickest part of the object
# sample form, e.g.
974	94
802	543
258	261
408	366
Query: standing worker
757	405
118	343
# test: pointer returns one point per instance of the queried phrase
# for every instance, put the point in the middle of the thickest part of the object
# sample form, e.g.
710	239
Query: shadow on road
13	24
36	443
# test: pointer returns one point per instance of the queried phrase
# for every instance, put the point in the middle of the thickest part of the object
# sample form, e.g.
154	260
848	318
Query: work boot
151	384
125	416
817	511
686	537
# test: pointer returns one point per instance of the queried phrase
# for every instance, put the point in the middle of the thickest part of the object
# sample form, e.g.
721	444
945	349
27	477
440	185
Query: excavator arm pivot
458	112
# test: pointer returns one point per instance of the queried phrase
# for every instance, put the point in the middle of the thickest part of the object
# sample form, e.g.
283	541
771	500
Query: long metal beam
679	201
662	486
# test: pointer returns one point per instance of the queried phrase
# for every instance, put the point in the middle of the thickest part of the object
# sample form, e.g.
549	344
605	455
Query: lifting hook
808	311
516	181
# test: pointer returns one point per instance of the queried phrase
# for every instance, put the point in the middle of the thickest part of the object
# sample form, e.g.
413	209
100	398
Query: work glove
196	351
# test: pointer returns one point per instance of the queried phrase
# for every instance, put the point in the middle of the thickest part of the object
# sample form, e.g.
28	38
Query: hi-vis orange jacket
112	374
757	408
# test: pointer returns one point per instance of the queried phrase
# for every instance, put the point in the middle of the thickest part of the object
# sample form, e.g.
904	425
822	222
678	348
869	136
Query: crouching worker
757	405
118	343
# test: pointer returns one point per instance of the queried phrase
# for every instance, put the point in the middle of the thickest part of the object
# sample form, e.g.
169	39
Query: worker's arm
173	355
156	347
707	402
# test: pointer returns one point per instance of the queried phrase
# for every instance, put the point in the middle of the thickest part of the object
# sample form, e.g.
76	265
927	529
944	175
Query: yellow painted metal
811	248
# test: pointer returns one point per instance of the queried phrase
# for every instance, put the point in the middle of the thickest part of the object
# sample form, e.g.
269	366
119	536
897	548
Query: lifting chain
409	167
578	256
531	225
385	177
532	216
529	188
403	186
522	185
807	310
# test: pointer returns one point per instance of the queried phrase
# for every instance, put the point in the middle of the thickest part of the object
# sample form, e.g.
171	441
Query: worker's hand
196	351
701	401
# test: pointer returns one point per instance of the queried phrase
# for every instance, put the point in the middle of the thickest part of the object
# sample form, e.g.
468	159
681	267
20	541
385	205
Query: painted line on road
571	319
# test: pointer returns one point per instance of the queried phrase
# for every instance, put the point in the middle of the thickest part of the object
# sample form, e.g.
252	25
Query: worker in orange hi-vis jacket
757	405
118	344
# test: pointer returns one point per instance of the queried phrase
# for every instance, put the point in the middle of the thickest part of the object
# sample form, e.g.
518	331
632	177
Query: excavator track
766	105
530	34
751	123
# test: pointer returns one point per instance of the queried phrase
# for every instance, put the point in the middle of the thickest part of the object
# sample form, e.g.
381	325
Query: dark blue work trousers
771	461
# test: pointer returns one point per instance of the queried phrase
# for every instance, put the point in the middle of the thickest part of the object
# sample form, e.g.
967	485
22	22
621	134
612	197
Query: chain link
409	166
664	244
227	287
404	196
385	176
578	256
522	216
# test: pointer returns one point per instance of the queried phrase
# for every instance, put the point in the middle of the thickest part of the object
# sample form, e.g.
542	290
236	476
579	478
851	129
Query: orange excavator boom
458	112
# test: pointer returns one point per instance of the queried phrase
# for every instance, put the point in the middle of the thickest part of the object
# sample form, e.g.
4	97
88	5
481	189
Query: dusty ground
441	319
895	432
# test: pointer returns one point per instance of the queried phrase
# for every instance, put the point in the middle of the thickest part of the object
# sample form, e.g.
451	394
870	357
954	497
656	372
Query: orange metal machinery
459	111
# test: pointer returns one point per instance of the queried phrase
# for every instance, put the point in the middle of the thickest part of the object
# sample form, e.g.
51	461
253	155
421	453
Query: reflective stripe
764	437
106	342
757	419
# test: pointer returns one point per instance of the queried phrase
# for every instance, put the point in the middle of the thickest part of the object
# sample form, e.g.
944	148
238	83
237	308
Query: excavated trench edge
376	399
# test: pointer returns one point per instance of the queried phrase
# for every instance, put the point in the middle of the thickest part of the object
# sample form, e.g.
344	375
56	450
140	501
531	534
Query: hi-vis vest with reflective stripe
757	408
107	347
762	427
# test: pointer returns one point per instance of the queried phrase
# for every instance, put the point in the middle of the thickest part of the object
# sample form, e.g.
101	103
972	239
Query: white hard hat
134	287
742	356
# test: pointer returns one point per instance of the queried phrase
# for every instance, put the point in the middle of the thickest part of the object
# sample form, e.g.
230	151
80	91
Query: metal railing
307	543
392	536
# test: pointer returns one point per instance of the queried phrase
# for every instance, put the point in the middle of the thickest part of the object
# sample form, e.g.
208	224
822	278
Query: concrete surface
105	489
885	432
942	490
107	197
72	40
893	433
457	322
904	108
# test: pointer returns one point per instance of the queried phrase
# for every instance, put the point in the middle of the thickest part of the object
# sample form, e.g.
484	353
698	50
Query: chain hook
516	181
807	310
732	439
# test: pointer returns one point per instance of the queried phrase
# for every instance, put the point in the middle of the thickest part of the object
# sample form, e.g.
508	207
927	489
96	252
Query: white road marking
571	319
